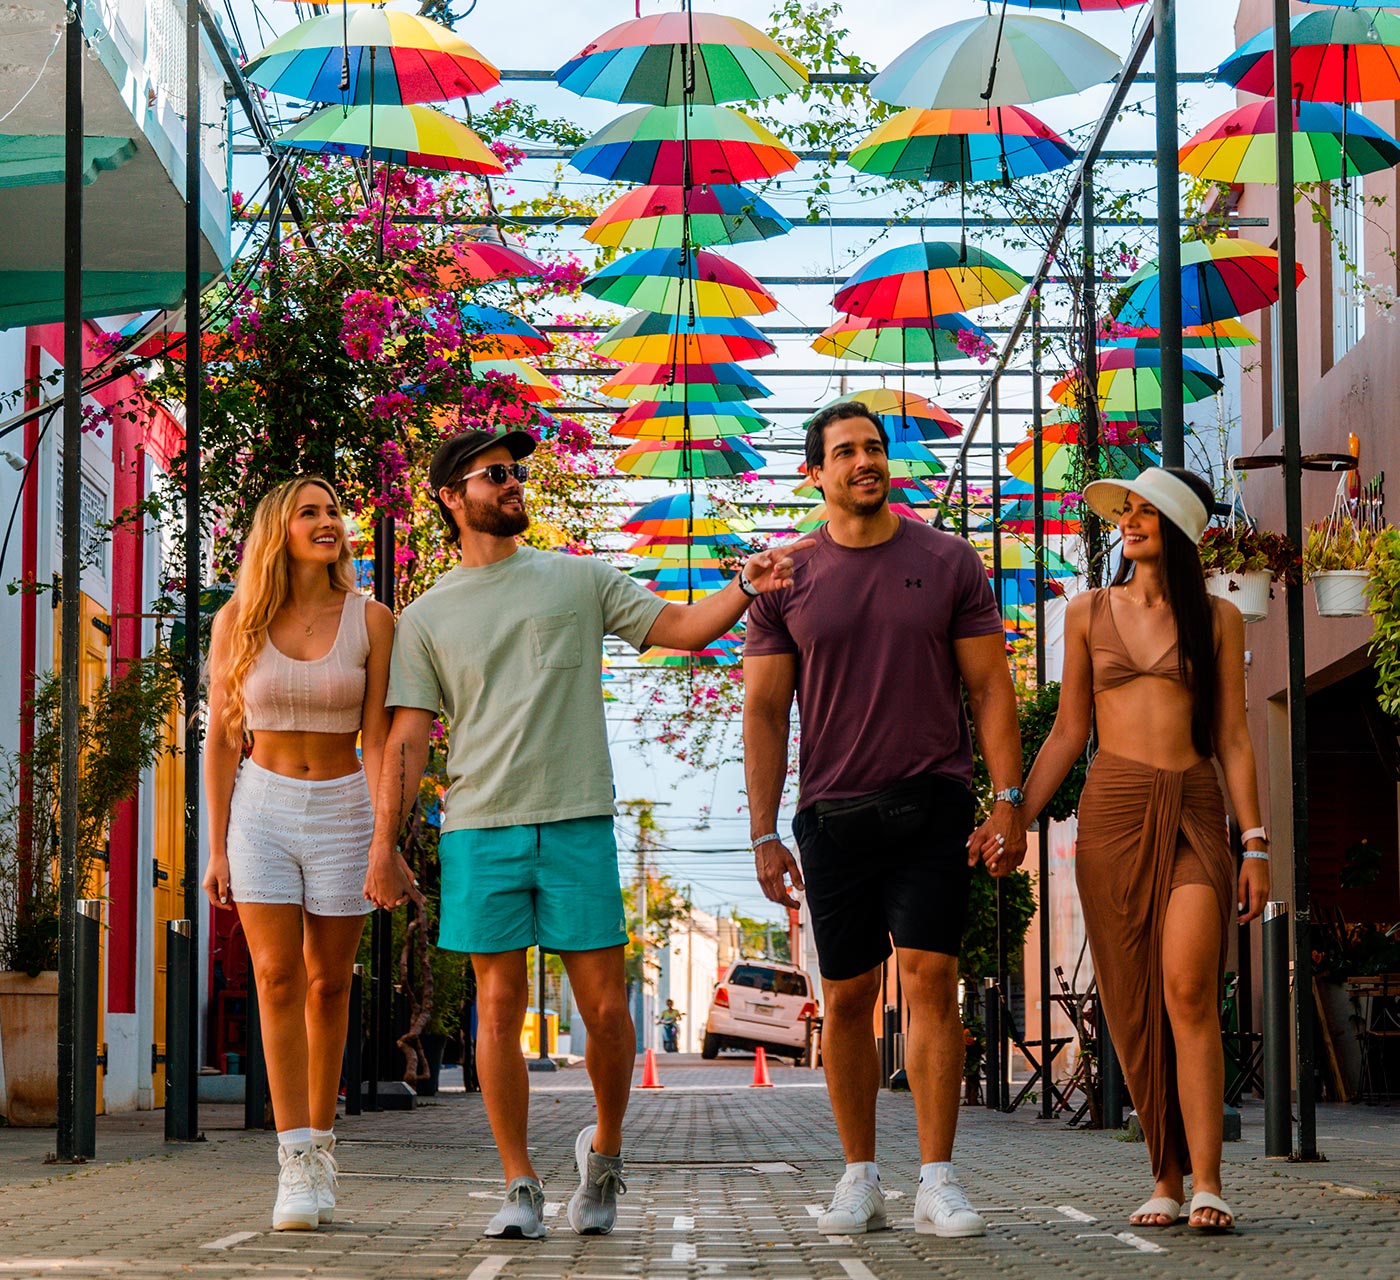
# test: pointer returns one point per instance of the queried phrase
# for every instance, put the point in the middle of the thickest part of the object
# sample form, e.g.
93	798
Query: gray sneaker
521	1217
593	1207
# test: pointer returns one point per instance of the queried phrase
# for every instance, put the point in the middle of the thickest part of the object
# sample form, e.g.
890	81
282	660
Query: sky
711	853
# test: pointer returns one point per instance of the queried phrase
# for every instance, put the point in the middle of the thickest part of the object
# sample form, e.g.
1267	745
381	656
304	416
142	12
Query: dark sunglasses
500	472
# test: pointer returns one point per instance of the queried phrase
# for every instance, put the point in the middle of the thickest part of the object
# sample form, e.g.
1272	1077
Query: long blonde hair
262	587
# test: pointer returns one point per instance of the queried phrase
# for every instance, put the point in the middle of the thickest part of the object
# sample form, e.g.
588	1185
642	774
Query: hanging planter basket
1340	593
1248	591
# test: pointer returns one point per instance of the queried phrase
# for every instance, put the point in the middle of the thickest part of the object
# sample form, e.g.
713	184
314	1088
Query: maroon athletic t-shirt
878	687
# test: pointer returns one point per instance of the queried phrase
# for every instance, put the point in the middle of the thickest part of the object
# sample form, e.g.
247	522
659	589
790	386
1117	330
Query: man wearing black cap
509	643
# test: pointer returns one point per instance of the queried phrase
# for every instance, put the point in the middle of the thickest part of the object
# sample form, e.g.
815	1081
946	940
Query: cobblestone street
723	1180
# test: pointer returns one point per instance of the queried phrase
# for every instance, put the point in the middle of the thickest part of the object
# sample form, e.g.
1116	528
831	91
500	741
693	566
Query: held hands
1000	842
771	570
390	882
775	866
1253	890
215	883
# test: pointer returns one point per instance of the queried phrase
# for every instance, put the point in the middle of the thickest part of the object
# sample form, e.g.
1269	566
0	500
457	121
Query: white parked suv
760	1002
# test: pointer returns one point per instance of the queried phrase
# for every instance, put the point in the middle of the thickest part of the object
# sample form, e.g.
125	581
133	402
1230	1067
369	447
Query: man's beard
488	517
859	504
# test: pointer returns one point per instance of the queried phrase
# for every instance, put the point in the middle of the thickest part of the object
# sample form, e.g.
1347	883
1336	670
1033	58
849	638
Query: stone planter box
29	1043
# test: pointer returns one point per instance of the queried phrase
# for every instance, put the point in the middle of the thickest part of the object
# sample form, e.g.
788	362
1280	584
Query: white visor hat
1172	497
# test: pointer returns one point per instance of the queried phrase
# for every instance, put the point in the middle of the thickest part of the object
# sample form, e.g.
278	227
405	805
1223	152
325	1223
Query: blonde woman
298	667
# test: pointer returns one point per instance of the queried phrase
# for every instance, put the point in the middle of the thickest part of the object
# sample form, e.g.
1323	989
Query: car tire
709	1048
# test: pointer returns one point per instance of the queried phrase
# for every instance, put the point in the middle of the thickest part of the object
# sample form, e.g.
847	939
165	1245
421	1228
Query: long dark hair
1184	585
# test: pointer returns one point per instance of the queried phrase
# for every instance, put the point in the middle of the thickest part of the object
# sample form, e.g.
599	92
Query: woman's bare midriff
1147	720
312	757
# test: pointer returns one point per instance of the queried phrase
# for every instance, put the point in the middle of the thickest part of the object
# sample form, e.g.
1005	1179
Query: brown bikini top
1112	663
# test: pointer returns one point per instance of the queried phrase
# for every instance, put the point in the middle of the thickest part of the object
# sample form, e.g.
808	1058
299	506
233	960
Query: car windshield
778	981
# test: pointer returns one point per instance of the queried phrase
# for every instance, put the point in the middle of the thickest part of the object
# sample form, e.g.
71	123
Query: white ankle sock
868	1170
928	1173
322	1137
294	1138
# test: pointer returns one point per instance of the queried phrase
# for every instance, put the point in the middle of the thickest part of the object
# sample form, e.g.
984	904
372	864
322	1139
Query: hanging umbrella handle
344	45
996	55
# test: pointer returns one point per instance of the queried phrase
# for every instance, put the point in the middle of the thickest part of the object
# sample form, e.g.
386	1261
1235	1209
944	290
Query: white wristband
1254	833
762	840
1257	853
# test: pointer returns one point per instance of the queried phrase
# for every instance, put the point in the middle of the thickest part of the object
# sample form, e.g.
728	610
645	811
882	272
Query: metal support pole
1287	358
355	1044
87	952
1047	1093
1169	230
1038	492
1110	1077
541	1061
1089	411
255	1076
1278	1093
887	1044
72	569
991	1028
188	1046
381	1008
179	1075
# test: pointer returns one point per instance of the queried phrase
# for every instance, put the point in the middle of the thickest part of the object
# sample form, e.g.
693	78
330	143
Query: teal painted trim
31	160
36	297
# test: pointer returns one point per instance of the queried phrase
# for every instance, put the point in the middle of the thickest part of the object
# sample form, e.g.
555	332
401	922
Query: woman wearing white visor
1156	666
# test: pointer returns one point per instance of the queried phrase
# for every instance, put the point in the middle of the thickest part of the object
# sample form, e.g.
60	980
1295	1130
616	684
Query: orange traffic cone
650	1078
760	1070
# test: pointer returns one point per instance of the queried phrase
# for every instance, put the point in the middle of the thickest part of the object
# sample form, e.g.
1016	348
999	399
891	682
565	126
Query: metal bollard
891	1029
179	1070
991	1028
1278	1091
1110	1077
355	1044
255	1077
87	924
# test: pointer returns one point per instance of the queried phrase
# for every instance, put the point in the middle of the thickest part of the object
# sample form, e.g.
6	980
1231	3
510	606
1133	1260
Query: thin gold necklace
1142	603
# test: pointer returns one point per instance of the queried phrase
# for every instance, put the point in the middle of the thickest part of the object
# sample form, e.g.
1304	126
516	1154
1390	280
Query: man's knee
930	982
851	997
606	1015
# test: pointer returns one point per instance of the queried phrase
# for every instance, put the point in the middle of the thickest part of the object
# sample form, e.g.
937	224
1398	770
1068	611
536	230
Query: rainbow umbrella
472	260
904	415
534	386
670	577
964	145
713	548
682	57
1341	55
699	459
1239	146
676	280
670	420
1221	333
1019	516
1130	381
383	57
927	279
657	338
683	146
718	654
1060	445
901	342
1018	556
655	217
991	62
496	334
720	382
678	516
1081	6
1220	279
412	136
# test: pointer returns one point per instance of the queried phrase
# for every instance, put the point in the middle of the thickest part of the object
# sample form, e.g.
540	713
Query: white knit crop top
322	695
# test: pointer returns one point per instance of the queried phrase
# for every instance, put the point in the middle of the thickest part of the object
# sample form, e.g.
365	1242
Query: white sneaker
943	1209
295	1209
323	1177
857	1206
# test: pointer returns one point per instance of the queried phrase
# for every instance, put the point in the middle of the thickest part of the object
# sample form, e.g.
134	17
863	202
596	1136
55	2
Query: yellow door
169	870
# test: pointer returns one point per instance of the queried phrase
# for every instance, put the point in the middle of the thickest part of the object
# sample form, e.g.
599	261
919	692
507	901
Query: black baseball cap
452	453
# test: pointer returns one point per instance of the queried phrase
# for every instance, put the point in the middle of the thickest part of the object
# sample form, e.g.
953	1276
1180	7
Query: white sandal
1205	1200
1157	1207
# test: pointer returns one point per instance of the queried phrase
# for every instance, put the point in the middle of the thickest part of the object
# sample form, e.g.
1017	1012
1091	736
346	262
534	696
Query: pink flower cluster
975	345
394	497
367	319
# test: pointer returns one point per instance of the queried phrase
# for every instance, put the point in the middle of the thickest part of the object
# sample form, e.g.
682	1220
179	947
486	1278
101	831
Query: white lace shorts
295	841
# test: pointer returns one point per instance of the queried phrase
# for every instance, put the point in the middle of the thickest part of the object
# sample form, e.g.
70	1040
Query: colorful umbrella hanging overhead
1221	333
679	280
1019	516
1130	382
994	62
1060	444
706	420
679	516
496	334
1080	6
904	415
656	338
654	217
673	145
534	386
1338	55
695	458
717	382
380	56
927	279
673	58
481	260
965	145
901	342
414	137
1239	146
1220	279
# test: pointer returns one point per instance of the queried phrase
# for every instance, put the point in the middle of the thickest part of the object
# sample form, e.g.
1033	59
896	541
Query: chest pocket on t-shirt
556	640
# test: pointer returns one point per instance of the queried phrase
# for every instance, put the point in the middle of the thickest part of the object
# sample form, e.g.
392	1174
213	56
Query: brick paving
723	1181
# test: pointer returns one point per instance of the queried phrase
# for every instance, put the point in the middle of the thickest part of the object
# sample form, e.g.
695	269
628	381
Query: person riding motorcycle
670	1020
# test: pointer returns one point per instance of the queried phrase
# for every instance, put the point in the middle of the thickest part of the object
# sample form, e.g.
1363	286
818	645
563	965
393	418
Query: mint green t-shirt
513	652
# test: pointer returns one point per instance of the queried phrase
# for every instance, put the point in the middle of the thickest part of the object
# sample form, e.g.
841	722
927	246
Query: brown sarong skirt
1136	824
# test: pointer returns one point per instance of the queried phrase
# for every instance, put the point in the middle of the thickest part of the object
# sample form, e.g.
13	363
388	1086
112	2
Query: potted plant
1242	564
1383	604
1336	556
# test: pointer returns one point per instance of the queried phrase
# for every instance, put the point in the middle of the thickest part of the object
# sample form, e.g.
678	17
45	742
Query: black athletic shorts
890	866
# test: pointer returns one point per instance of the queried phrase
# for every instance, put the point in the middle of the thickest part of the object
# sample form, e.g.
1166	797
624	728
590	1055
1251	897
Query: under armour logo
914	582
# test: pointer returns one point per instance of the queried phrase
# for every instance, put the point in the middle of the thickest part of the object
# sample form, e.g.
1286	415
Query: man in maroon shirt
887	618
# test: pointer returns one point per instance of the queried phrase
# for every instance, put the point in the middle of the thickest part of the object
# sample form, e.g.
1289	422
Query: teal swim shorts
552	884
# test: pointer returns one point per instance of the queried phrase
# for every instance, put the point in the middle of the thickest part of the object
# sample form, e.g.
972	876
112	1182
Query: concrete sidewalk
723	1179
